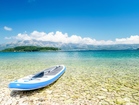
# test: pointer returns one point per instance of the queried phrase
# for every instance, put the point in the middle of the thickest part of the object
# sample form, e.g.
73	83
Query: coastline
86	81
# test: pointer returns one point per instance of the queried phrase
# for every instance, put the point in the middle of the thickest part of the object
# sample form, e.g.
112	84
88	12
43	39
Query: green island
30	49
137	48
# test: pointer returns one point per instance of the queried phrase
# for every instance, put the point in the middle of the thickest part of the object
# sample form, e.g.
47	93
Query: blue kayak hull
15	85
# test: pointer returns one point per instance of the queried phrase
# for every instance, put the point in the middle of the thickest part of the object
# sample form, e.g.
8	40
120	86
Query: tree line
30	49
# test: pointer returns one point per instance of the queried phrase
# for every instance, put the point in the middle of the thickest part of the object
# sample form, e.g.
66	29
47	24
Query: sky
70	21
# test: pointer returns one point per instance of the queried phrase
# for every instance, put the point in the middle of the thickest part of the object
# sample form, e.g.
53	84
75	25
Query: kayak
39	80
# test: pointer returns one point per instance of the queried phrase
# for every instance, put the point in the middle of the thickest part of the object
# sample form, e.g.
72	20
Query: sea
107	73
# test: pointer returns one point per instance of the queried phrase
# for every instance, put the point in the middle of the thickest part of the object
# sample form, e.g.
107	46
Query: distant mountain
69	46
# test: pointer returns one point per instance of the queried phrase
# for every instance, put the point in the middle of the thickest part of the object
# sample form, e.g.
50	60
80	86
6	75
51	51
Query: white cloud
7	28
64	38
22	37
131	40
54	37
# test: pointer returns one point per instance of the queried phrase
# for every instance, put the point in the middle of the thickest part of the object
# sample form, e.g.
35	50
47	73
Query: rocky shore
103	83
81	89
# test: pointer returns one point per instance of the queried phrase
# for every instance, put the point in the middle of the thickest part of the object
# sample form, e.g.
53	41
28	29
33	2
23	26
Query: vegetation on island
137	48
30	49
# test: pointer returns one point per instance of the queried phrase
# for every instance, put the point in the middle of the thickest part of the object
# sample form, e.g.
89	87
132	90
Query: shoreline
98	79
79	89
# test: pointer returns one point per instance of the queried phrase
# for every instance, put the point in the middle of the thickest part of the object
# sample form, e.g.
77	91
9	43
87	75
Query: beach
91	78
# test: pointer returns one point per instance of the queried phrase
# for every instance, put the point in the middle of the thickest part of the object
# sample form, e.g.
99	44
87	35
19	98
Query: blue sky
94	19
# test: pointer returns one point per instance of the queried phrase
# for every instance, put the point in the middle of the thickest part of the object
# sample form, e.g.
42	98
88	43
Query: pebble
49	91
103	89
77	90
101	97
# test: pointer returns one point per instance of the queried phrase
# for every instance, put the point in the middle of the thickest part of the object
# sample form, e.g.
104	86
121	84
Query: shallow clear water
110	74
80	61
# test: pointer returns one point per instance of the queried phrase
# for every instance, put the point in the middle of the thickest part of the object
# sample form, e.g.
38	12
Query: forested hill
30	49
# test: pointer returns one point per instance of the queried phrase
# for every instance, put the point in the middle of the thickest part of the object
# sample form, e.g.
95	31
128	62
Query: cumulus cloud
64	38
131	40
7	28
54	37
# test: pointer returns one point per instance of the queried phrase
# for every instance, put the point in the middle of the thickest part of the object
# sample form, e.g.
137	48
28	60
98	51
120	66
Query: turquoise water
80	60
35	61
112	75
71	54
